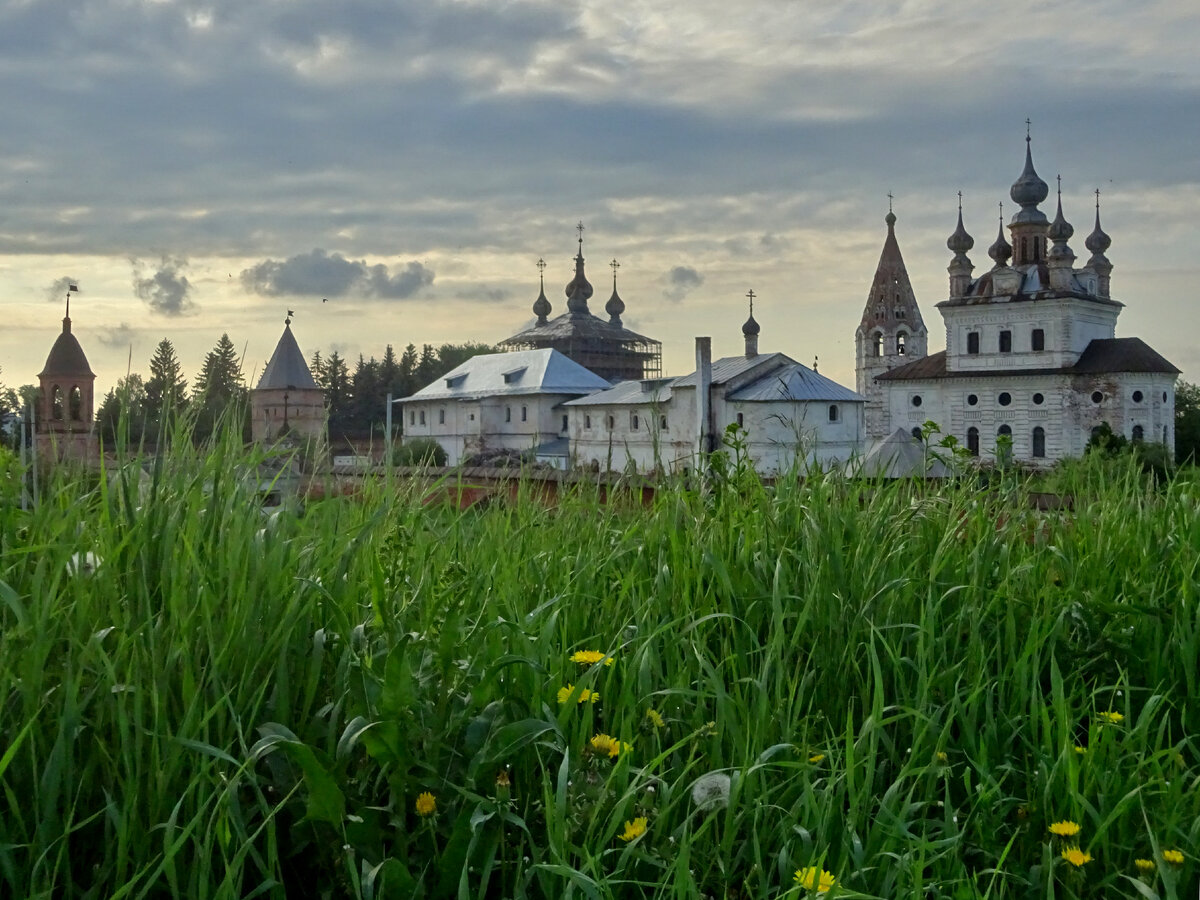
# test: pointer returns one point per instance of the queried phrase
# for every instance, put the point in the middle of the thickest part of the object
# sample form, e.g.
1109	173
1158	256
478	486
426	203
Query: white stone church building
1032	363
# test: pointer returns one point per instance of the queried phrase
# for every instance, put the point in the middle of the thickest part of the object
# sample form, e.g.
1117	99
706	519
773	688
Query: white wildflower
83	563
711	791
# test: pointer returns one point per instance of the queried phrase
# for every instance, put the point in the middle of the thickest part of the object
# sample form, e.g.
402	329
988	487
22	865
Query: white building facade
1032	365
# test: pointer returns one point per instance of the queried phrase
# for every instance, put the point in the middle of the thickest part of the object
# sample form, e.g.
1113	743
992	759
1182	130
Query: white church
1032	367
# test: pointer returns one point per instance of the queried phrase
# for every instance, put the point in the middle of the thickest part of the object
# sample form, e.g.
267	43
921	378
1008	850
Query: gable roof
1101	355
728	368
287	369
796	383
629	393
899	455
519	372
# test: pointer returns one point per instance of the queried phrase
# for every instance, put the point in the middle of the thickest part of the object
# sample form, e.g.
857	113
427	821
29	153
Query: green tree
451	356
122	416
166	390
1187	423
334	380
220	389
408	372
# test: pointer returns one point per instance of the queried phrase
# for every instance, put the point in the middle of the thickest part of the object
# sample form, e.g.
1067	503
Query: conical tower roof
287	369
66	356
891	295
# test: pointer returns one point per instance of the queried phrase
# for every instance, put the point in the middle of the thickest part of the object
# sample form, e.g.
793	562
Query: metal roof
900	455
650	390
66	356
287	369
729	367
519	372
579	325
796	383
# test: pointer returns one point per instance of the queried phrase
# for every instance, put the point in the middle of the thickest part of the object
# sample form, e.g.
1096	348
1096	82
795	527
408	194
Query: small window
1038	399
524	414
587	421
1006	342
1137	396
900	339
973	441
1097	396
75	403
441	417
412	417
740	420
916	400
662	422
1004	399
972	342
508	414
879	343
56	409
1139	434
564	425
612	423
834	413
422	417
1037	339
1164	396
972	399
1039	442
916	432
899	312
634	422
472	417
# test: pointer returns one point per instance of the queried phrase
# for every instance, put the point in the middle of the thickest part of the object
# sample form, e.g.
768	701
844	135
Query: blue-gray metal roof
653	390
729	367
519	372
796	383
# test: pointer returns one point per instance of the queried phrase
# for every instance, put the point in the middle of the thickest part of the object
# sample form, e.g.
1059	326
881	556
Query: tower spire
541	306
615	305
751	329
579	290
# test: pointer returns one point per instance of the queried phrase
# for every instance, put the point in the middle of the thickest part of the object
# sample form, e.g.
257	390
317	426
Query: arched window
973	441
1004	431
833	412
75	403
900	338
741	421
879	343
1004	445
916	432
56	402
1139	434
1039	442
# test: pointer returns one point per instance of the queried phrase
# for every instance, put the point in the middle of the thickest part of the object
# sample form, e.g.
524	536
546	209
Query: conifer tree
220	389
166	390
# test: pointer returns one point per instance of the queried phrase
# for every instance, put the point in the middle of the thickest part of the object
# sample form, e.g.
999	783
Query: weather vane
288	320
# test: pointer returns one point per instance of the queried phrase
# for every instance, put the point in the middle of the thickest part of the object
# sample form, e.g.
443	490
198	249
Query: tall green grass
898	684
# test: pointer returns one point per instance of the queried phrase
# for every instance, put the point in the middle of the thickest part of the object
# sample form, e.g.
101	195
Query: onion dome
1029	190
959	242
541	307
1060	230
1001	250
579	291
614	307
751	328
1098	242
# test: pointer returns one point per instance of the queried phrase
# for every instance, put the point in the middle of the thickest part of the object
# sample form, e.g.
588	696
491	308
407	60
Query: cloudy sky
202	167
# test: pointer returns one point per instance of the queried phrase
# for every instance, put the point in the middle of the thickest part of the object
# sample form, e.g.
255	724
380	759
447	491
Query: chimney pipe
704	394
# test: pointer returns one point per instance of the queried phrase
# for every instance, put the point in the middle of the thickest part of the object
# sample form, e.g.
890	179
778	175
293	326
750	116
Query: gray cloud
166	291
322	274
121	335
681	281
57	291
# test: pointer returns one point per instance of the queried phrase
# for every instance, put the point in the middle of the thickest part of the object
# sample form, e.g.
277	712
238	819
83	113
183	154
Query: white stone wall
465	427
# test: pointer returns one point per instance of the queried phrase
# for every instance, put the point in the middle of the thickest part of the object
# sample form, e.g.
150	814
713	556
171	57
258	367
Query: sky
393	170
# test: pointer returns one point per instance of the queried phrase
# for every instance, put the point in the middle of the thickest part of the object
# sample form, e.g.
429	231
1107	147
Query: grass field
881	691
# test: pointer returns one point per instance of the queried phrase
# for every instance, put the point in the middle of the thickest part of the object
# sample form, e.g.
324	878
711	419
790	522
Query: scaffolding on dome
611	351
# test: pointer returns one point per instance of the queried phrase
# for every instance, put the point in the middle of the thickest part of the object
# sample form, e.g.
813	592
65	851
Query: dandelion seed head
711	791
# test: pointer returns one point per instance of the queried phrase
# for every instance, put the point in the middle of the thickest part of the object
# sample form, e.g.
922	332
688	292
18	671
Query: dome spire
1001	250
541	306
1098	242
579	290
751	329
615	305
960	267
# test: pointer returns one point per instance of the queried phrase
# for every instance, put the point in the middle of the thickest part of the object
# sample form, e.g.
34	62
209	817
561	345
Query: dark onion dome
614	307
579	291
751	328
541	307
66	356
1001	250
1029	190
960	241
890	218
1060	229
1098	241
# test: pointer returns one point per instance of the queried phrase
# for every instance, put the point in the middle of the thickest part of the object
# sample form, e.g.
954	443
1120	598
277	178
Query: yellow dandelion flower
426	804
1112	717
634	829
1065	828
585	695
655	719
1076	857
816	758
1080	749
812	878
590	658
1174	857
604	743
942	757
1144	865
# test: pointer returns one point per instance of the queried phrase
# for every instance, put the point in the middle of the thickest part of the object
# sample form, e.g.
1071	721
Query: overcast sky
199	168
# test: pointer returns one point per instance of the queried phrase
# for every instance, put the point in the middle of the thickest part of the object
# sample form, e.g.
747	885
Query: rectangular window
422	417
508	414
564	428
633	421
1006	342
740	420
972	342
412	417
611	423
524	417
587	421
1037	340
441	417
662	422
